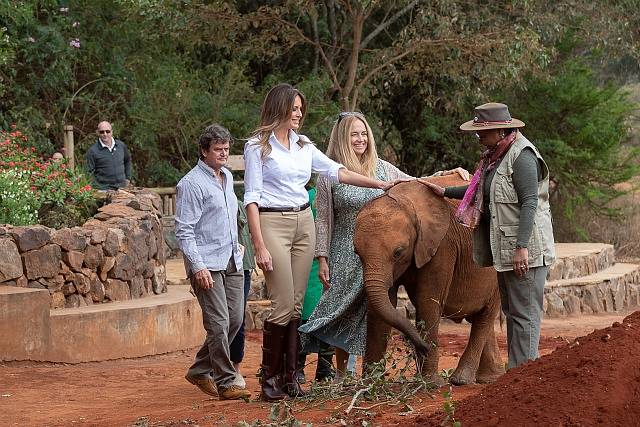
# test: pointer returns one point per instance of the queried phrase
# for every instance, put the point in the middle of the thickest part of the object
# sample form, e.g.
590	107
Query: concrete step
141	327
613	289
580	259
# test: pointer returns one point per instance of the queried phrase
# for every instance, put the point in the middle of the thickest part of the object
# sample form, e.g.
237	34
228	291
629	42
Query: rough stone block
591	299
93	257
148	286
96	289
43	262
137	287
124	267
68	288
555	305
31	237
98	235
82	283
70	239
572	304
107	265
153	245
36	284
57	300
114	242
75	300
73	259
117	290
148	271
159	279
10	261
138	249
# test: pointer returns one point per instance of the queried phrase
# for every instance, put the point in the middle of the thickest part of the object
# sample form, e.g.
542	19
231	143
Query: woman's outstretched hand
439	191
464	174
386	185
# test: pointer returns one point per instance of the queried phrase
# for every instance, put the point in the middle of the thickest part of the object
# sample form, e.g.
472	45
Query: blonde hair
276	109
341	150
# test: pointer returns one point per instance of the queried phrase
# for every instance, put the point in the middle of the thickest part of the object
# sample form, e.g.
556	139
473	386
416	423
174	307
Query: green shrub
37	190
18	203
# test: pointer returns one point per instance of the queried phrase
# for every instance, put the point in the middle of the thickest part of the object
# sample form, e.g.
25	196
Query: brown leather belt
293	209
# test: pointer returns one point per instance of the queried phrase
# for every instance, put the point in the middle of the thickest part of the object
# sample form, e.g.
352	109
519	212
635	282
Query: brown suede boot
292	386
273	340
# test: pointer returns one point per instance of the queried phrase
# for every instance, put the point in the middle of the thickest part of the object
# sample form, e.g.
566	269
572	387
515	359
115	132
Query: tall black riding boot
292	386
273	342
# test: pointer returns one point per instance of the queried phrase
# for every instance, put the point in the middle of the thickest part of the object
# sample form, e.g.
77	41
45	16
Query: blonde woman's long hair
276	109
341	150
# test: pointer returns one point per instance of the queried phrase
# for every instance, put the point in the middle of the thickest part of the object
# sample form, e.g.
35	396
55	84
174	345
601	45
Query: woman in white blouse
278	164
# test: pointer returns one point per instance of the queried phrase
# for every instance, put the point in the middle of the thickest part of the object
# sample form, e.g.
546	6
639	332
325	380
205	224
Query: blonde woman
340	316
278	164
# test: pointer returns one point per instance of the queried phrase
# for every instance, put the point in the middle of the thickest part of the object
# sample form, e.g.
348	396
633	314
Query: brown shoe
234	392
204	384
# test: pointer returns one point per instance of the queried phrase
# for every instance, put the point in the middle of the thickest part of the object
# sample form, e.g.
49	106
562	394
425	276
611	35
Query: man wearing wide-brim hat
507	206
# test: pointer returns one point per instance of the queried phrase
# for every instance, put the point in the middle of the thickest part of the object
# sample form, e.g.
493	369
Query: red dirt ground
590	379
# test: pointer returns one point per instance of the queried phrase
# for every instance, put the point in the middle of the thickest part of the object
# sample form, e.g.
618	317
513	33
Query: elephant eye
398	252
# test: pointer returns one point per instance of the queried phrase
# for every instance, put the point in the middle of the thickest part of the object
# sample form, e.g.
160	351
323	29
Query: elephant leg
377	336
491	366
428	314
482	337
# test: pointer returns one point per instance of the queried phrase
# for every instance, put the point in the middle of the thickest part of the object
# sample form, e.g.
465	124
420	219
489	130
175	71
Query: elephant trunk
380	304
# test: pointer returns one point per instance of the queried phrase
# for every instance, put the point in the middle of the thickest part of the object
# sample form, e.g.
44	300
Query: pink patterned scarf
471	208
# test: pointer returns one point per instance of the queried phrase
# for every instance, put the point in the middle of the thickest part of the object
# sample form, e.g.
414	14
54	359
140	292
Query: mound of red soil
595	380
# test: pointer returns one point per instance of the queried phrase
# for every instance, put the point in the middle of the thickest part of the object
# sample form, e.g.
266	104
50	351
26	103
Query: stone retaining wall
117	255
580	265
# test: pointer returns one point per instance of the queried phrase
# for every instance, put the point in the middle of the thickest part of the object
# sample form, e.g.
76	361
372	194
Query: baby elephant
409	237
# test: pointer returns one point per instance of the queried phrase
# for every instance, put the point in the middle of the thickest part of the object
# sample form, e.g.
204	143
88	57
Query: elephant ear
433	218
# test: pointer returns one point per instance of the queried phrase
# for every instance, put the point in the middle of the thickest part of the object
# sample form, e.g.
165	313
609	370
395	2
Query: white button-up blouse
278	180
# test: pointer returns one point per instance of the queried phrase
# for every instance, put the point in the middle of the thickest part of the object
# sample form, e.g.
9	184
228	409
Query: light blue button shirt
207	220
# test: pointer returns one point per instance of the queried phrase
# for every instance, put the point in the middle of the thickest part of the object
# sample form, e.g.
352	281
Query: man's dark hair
213	134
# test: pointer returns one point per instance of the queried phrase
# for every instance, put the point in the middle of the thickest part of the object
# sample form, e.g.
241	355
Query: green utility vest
494	245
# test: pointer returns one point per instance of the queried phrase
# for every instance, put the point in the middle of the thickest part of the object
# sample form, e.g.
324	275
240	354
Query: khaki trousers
290	238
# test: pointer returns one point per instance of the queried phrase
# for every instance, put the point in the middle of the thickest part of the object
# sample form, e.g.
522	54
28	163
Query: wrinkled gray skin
409	237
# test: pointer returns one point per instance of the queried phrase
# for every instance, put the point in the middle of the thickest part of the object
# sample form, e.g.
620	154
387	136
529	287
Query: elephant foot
434	379
489	376
463	376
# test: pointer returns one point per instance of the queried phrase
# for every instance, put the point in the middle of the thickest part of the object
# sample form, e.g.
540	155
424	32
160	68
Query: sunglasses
104	131
344	114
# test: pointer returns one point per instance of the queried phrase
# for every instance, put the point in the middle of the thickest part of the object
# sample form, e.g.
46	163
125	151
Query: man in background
108	160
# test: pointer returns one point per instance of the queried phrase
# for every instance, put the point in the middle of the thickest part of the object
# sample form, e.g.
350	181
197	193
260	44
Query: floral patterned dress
339	319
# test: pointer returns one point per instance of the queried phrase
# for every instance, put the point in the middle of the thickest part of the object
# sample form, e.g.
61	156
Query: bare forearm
348	177
253	217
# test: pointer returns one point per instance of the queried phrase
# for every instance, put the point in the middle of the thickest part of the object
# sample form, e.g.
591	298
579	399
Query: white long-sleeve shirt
278	180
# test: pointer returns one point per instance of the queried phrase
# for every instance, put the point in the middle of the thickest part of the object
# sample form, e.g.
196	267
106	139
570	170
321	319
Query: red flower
11	164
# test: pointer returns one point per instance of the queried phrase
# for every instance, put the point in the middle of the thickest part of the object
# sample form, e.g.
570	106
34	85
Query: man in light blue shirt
207	232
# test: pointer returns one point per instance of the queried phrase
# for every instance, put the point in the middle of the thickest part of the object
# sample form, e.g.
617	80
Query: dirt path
151	391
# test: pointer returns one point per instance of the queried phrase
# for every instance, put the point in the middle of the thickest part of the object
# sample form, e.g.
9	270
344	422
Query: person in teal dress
339	319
